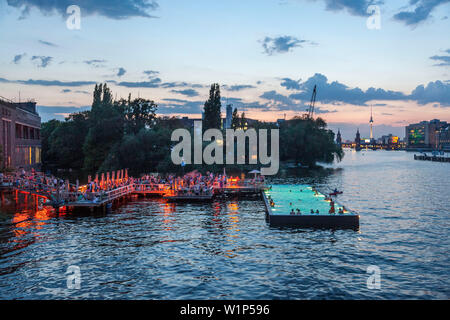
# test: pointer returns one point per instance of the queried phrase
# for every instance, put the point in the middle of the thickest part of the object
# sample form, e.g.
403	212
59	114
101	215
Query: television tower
371	124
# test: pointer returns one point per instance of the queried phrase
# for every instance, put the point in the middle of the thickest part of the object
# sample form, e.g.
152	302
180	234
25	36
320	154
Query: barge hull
311	221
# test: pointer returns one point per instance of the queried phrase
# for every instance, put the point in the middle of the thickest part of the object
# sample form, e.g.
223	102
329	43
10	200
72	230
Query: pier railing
117	193
98	197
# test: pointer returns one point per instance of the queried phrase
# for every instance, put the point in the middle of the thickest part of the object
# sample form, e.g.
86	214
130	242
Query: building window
416	136
38	155
18	131
22	156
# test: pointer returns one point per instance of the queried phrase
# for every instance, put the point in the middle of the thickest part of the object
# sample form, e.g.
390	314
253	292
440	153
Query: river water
149	249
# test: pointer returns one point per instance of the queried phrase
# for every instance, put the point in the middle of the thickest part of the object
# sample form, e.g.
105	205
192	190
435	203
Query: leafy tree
106	129
49	154
141	152
170	123
126	134
67	141
235	120
243	121
307	141
138	114
212	114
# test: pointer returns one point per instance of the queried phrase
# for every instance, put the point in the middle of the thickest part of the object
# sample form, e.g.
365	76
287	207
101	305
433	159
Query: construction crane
312	104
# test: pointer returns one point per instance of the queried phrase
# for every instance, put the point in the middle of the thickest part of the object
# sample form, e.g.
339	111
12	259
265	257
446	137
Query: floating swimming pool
288	198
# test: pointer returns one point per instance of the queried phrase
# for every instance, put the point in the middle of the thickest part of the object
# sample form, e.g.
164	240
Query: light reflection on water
151	249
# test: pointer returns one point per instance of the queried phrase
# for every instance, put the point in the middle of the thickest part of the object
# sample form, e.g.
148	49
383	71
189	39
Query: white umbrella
255	172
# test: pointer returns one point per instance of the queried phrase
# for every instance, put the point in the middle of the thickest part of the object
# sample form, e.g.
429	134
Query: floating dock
292	197
432	158
188	198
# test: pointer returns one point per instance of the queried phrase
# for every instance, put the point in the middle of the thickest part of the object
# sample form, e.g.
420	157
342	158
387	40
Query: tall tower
358	141
371	124
338	138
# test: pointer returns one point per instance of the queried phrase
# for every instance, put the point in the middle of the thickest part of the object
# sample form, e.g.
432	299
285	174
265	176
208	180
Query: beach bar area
302	206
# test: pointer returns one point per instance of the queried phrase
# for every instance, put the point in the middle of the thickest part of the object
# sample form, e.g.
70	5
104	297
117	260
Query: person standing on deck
332	210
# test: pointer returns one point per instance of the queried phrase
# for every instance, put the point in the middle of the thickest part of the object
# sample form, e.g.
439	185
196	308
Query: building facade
20	135
416	134
424	134
389	140
444	138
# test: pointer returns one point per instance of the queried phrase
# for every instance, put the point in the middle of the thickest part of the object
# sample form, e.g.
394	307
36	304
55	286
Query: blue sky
267	55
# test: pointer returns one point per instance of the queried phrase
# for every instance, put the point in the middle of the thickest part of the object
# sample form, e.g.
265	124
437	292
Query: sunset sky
267	55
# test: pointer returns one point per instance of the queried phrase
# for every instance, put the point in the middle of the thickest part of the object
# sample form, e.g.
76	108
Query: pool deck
290	197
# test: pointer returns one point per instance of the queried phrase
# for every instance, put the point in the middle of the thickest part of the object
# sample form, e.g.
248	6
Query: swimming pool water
302	196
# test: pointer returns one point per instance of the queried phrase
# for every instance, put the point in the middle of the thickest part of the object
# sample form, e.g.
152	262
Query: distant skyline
266	55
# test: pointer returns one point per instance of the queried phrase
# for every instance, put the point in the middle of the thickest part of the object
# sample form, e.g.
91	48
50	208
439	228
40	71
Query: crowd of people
194	183
37	181
191	184
60	190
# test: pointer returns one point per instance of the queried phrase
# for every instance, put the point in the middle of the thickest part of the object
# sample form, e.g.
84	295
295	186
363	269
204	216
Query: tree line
127	133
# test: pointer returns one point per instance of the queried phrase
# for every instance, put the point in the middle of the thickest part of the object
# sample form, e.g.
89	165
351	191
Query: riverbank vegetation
128	133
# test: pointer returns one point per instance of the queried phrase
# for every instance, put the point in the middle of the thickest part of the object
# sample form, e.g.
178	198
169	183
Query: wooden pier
189	198
76	199
98	198
75	196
